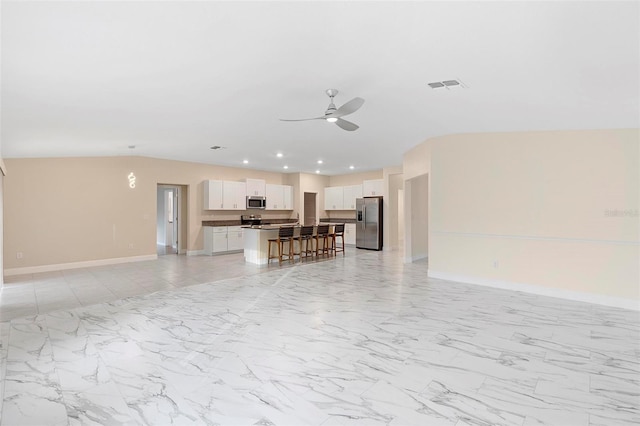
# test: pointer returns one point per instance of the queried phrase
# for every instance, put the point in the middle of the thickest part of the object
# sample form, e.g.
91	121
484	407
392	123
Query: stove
252	219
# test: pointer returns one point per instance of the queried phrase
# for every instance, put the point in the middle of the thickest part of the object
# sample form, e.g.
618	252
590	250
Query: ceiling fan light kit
333	114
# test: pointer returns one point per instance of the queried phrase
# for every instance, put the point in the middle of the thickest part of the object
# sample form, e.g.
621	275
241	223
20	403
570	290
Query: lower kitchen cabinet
235	238
223	239
350	234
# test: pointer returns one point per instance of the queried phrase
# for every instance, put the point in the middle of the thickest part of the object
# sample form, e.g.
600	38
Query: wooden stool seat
322	234
338	232
285	235
304	239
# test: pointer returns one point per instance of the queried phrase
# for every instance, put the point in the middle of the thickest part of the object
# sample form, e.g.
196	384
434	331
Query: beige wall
354	178
1	223
67	210
535	208
416	213
312	183
70	210
393	181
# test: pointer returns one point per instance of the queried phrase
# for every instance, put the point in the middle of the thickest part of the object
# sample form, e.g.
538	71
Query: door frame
180	214
316	211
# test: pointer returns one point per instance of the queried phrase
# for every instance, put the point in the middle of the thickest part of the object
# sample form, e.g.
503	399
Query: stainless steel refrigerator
369	223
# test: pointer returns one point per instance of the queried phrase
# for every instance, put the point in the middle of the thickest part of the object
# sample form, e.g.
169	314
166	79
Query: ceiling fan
333	114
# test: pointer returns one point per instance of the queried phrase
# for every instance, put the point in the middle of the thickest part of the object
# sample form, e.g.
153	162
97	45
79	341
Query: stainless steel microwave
254	202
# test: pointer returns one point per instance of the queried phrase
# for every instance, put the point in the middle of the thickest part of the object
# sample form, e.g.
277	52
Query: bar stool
285	235
322	234
306	237
338	231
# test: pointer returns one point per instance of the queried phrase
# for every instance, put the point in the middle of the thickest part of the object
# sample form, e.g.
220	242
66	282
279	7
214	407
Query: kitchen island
256	243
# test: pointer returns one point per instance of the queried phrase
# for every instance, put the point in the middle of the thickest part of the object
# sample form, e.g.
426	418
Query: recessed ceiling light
317	171
245	161
279	155
132	146
285	167
351	167
319	161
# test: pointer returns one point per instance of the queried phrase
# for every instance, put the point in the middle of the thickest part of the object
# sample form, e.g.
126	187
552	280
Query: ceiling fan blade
350	107
347	125
303	119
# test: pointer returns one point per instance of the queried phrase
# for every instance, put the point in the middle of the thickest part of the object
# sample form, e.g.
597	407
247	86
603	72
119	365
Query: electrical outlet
19	255
130	245
496	264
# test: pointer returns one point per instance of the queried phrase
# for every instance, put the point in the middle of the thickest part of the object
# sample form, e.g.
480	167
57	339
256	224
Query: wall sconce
132	180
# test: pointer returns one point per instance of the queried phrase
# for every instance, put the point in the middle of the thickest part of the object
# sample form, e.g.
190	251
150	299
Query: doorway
310	215
169	214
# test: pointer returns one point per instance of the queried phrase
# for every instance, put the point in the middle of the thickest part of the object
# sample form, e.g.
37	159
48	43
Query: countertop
333	220
238	222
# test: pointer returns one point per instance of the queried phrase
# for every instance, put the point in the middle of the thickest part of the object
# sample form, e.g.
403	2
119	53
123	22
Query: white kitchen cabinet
235	240
219	242
288	197
256	187
224	195
373	187
275	197
279	197
351	193
234	195
334	198
212	195
350	233
215	239
221	239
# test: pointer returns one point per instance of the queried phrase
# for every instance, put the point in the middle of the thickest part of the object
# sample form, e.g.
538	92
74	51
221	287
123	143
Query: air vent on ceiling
448	84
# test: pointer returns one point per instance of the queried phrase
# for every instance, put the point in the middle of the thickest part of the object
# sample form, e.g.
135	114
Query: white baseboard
77	265
598	299
195	252
411	259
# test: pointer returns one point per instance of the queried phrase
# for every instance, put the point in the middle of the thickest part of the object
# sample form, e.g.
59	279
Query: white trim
533	237
76	265
195	252
411	259
598	299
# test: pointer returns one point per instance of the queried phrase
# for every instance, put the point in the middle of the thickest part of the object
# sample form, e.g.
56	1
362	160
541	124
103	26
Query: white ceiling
175	78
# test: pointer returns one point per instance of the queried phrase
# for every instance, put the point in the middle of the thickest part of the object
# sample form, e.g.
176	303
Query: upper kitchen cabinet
234	195
288	197
341	197
350	194
279	197
372	187
224	195
212	195
334	198
256	187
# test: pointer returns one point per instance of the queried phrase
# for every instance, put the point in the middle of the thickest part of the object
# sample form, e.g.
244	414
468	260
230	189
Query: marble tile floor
32	294
359	340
